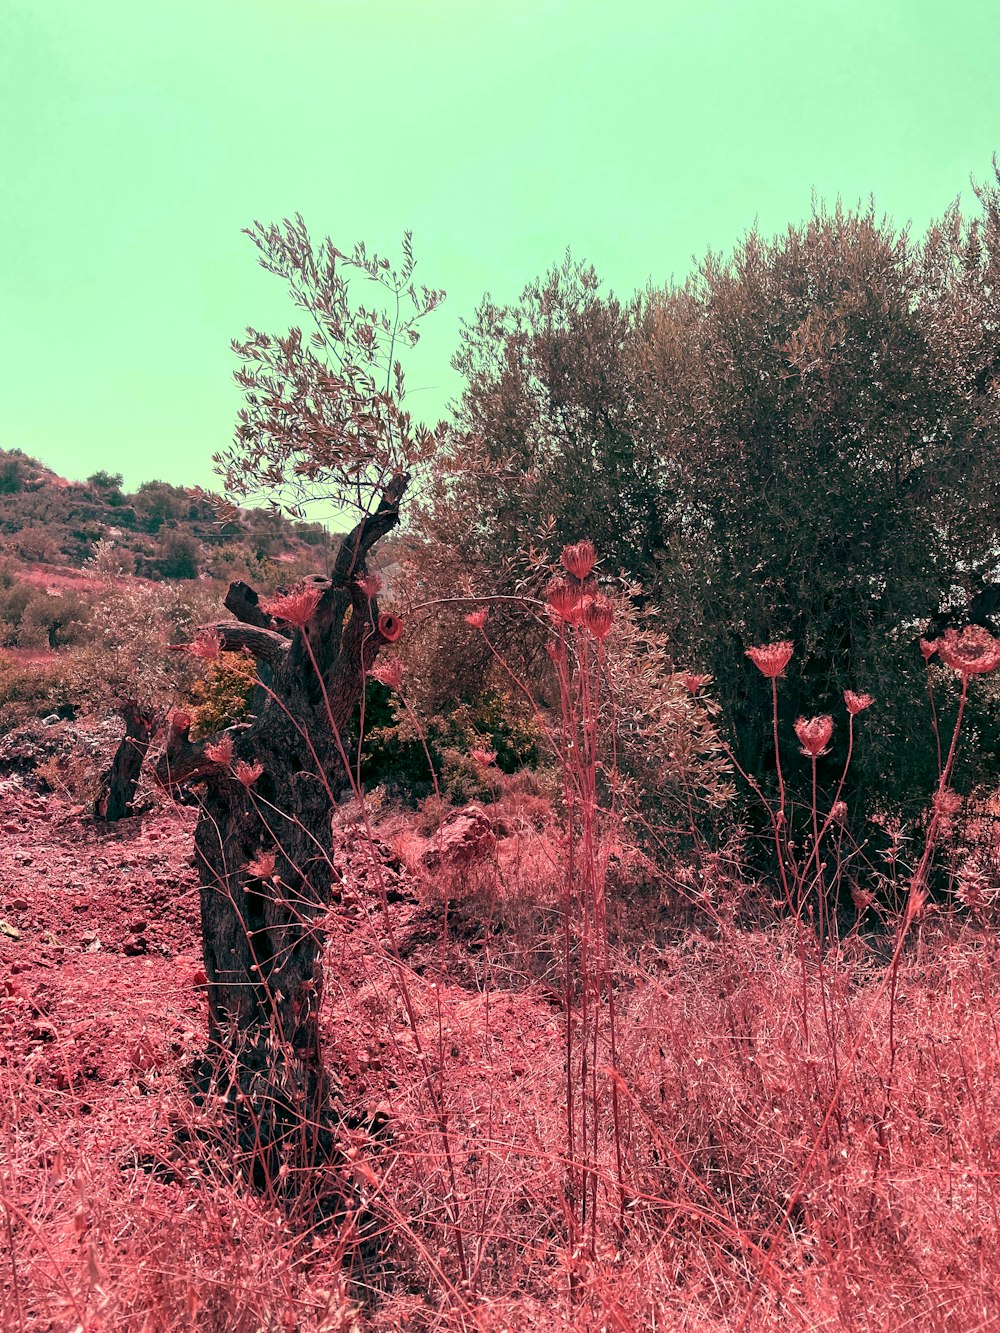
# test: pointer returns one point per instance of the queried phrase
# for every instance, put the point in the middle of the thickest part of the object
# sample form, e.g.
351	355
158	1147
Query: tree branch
245	605
266	644
357	544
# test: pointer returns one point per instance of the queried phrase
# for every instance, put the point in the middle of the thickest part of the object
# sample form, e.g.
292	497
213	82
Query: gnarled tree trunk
119	781
264	842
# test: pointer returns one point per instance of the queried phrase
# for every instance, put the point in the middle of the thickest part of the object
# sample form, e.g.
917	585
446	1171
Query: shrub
222	696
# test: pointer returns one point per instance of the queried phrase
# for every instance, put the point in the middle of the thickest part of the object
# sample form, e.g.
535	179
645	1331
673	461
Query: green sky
138	138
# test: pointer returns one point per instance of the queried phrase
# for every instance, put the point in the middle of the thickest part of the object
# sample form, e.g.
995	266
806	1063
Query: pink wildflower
562	598
262	866
247	773
294	608
484	757
814	733
928	647
388	673
477	618
579	559
857	703
599	615
693	683
971	653
370	585
771	658
220	751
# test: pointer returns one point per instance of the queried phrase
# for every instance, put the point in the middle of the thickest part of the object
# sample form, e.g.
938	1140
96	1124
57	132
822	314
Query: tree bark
264	853
116	792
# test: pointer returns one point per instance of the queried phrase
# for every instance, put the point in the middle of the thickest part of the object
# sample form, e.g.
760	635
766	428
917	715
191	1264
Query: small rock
20	904
137	927
52	720
134	947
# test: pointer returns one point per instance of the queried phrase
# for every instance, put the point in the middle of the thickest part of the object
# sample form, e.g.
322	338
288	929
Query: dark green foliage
394	755
801	442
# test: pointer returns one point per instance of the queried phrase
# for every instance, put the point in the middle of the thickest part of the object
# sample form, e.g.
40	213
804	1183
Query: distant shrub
28	692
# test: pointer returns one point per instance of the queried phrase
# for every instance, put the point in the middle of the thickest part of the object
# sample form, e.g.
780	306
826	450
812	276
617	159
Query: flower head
599	614
388	673
477	619
370	585
294	608
220	751
772	658
971	653
928	647
562	597
206	644
579	559
814	733
262	866
693	683
857	703
247	774
484	757
838	812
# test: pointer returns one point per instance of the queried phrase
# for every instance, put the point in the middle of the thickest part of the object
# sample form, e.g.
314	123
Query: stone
466	835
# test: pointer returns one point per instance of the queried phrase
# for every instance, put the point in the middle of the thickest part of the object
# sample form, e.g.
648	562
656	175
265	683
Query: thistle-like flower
388	673
928	647
814	733
599	615
477	619
294	608
973	652
262	866
220	751
563	599
579	559
484	757
246	773
371	585
857	703
693	683
771	658
206	644
838	812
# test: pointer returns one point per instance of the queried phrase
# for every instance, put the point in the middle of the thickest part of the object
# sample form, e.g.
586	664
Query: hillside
158	532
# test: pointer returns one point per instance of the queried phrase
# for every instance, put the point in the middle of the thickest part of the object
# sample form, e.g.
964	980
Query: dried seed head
294	608
247	774
220	751
484	757
814	733
579	559
477	619
371	585
972	653
599	615
838	812
857	703
771	658
693	683
206	644
262	866
388	673
928	647
563	599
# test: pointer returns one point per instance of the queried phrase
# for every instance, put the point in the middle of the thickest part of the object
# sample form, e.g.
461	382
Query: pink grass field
767	1184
